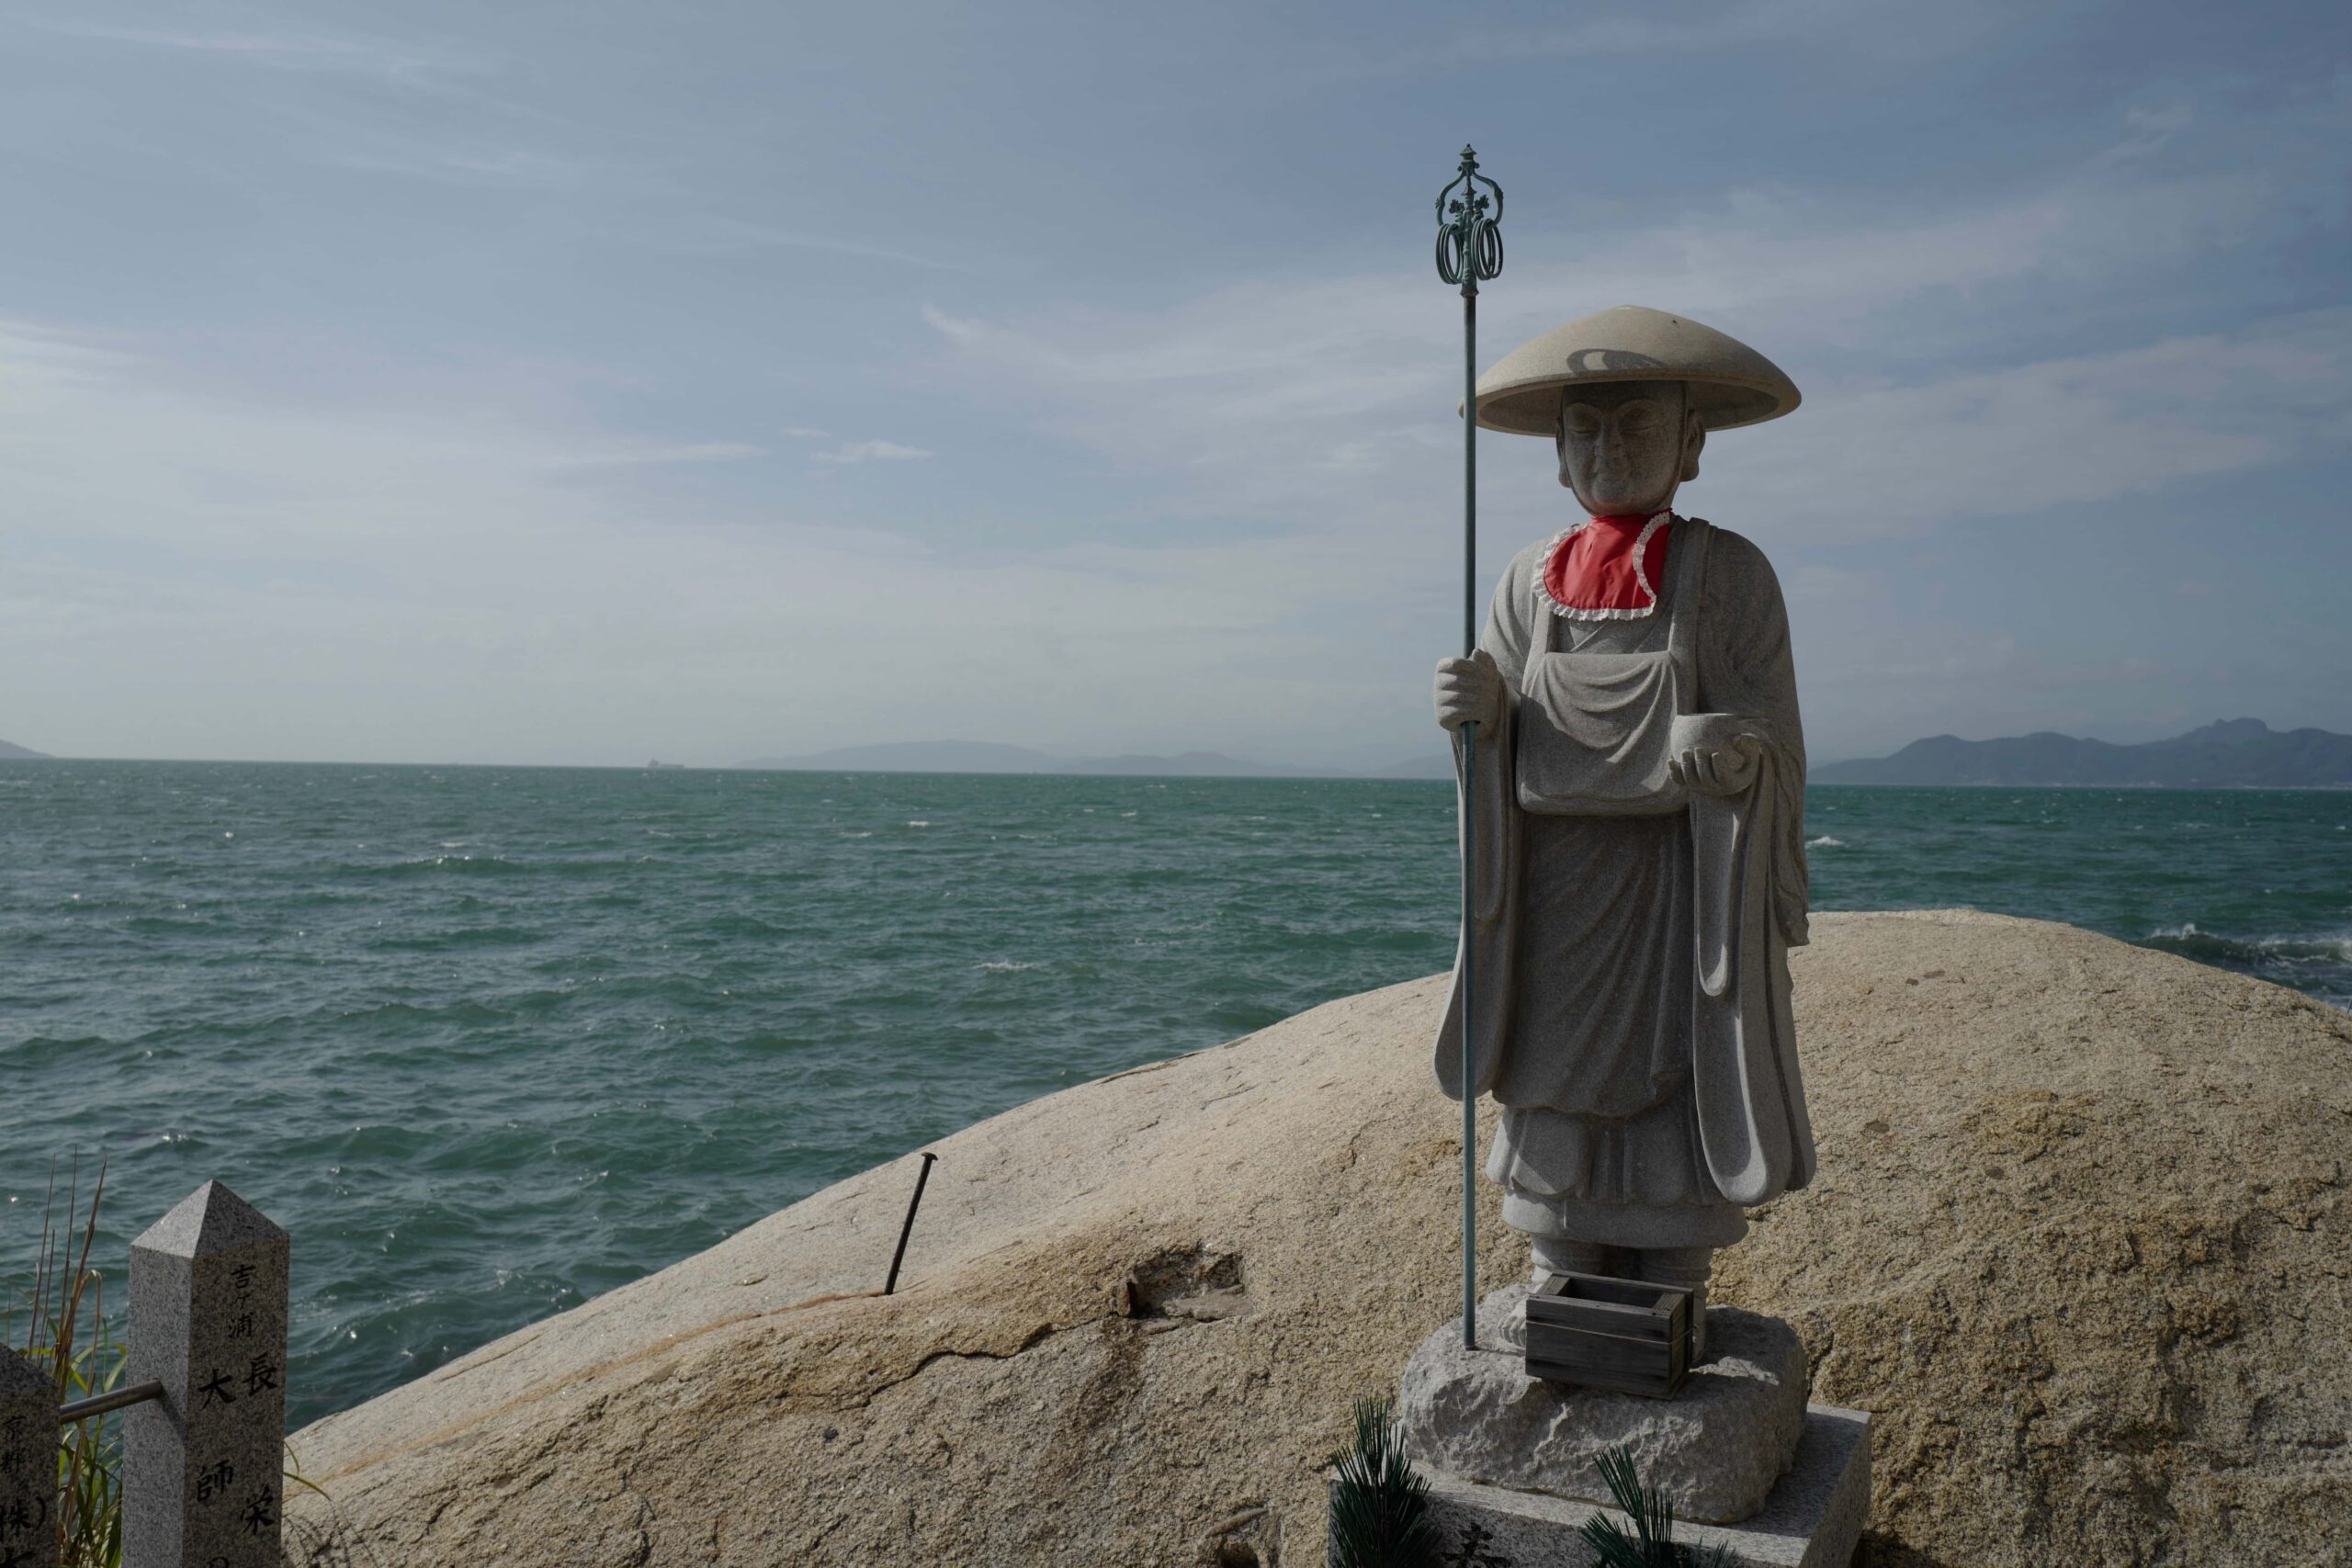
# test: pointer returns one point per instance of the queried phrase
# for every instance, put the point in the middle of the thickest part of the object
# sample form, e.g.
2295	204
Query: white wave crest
2310	948
1824	843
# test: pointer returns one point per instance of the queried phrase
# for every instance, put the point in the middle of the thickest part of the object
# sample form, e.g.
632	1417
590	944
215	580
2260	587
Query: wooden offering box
1620	1335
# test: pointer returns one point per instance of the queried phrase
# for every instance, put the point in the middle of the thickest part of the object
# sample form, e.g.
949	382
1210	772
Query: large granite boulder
2078	1240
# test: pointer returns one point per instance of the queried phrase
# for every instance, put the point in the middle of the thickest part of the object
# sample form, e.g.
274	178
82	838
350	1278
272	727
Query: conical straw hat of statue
1730	383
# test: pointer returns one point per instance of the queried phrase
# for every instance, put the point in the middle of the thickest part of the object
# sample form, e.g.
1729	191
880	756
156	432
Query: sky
588	382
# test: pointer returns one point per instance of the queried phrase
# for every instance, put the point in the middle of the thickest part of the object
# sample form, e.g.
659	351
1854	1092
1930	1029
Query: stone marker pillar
203	1482
27	1465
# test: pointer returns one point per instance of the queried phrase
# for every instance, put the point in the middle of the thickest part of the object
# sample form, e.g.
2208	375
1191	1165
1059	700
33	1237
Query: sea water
490	1041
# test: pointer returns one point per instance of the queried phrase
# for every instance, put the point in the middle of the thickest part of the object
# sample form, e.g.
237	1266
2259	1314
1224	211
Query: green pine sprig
1651	1545
1379	1506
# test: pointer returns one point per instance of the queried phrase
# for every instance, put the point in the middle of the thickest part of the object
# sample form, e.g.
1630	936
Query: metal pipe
121	1399
907	1229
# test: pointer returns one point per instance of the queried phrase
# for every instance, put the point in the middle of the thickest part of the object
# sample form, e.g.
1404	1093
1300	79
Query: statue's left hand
1709	770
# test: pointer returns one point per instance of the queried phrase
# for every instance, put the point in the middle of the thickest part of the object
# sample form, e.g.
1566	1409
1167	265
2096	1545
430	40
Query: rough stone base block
1814	1517
1716	1449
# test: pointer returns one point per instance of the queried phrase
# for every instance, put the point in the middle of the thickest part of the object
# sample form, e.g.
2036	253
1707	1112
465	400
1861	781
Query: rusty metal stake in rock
907	1229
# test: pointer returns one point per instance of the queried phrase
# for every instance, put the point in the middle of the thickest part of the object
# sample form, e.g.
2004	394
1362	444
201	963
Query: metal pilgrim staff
1469	251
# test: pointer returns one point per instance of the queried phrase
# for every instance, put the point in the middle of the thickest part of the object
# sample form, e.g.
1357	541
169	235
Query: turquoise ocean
490	1041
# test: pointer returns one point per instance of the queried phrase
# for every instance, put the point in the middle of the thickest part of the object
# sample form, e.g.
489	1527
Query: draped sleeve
1510	616
1750	892
1746	667
1489	805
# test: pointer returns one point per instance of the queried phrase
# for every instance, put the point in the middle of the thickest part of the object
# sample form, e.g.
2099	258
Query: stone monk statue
1639	794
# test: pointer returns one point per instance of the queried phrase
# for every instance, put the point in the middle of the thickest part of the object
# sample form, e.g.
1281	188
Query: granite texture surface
1716	1448
203	1470
28	1462
1814	1518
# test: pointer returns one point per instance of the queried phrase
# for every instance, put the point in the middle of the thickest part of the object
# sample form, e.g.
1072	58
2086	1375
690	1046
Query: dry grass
67	1331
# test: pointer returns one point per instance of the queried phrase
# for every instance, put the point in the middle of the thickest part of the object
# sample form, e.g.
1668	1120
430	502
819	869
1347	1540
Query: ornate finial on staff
1469	251
1469	239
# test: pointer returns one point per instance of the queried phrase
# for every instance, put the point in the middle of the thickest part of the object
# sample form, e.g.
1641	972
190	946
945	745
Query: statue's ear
1694	440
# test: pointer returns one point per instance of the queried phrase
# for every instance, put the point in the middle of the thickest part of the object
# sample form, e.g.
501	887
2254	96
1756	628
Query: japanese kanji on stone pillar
28	1463
203	1482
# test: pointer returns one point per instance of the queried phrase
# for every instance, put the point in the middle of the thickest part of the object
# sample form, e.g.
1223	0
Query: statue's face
1625	444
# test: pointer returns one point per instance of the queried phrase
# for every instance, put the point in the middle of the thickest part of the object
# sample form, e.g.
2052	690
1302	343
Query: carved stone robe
1631	937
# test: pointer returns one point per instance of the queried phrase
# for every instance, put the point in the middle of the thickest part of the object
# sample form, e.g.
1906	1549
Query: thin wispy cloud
466	164
1869	28
423	139
302	51
851	452
2150	131
690	452
727	234
2073	431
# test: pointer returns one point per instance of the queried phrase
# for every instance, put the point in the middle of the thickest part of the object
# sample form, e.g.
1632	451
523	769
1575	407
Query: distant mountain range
2233	753
8	751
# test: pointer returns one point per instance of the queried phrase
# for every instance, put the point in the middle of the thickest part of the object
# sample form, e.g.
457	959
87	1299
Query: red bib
1608	569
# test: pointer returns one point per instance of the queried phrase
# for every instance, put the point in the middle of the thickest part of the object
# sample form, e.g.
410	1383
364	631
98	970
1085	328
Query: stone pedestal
1716	1448
1813	1519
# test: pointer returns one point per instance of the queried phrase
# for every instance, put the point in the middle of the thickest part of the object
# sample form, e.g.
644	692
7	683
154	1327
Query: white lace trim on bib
1641	549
